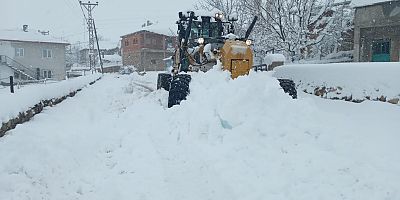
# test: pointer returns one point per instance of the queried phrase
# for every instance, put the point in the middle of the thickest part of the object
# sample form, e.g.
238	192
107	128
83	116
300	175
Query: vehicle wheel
289	87
179	89
164	81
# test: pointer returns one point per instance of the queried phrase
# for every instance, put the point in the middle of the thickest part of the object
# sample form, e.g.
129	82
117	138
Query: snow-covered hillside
232	139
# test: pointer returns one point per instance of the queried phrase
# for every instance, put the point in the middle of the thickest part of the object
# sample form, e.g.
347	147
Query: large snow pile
359	80
231	139
246	139
28	96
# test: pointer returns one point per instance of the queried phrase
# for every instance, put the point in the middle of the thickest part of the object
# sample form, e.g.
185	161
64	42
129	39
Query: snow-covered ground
29	95
232	139
359	80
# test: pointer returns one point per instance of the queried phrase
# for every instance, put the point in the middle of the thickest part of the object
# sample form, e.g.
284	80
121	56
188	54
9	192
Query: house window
47	53
148	41
47	74
19	52
126	43
16	75
135	41
153	62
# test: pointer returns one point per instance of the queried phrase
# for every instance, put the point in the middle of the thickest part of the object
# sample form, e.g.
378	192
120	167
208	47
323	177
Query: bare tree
227	7
298	28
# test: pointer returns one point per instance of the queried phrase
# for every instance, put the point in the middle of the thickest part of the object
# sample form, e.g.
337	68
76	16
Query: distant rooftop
29	36
157	28
362	3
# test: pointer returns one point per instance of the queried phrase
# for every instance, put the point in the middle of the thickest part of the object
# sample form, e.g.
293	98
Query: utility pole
91	30
98	48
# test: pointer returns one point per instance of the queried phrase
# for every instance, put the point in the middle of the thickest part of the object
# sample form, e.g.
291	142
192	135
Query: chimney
25	28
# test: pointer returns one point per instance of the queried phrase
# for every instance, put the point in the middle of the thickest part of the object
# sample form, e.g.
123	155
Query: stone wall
36	109
337	93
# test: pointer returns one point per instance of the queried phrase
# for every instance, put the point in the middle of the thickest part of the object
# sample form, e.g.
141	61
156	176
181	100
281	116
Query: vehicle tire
164	81
179	89
289	87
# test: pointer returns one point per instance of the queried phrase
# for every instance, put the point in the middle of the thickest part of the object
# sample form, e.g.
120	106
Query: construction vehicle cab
204	40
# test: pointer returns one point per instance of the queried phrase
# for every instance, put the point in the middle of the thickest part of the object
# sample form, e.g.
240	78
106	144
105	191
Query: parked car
126	70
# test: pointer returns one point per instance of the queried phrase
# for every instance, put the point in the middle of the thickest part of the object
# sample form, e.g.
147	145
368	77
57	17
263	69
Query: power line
67	3
92	32
83	12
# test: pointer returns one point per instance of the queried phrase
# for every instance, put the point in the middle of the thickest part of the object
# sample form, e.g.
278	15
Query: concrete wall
147	59
5	73
6	49
368	35
380	21
154	60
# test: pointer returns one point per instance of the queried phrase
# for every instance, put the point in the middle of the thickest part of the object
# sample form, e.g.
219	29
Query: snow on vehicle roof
362	3
29	36
209	13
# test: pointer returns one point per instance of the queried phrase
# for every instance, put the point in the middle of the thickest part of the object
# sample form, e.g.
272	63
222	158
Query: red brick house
146	50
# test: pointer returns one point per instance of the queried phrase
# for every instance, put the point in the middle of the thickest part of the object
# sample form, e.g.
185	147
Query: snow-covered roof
113	58
29	36
362	3
163	29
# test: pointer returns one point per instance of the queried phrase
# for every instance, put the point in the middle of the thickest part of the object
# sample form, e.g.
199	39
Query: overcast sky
64	18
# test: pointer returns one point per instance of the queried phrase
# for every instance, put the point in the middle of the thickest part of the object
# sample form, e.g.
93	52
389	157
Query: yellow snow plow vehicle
203	41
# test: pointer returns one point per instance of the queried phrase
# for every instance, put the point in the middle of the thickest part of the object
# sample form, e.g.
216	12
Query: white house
30	54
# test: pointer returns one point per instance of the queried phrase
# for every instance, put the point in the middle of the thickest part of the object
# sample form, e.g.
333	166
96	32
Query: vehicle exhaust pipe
251	27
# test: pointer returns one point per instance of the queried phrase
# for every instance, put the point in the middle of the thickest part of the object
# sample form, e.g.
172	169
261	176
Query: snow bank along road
241	139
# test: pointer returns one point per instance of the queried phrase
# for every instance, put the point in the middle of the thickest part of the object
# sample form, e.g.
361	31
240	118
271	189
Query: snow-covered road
241	139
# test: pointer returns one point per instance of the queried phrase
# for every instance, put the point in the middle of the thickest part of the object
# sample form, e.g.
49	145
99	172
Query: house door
381	50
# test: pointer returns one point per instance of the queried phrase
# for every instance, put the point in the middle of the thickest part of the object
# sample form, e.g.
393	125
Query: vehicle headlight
200	40
249	42
219	15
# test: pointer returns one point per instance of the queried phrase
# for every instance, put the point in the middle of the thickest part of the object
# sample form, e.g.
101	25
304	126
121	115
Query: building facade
146	50
31	55
377	32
